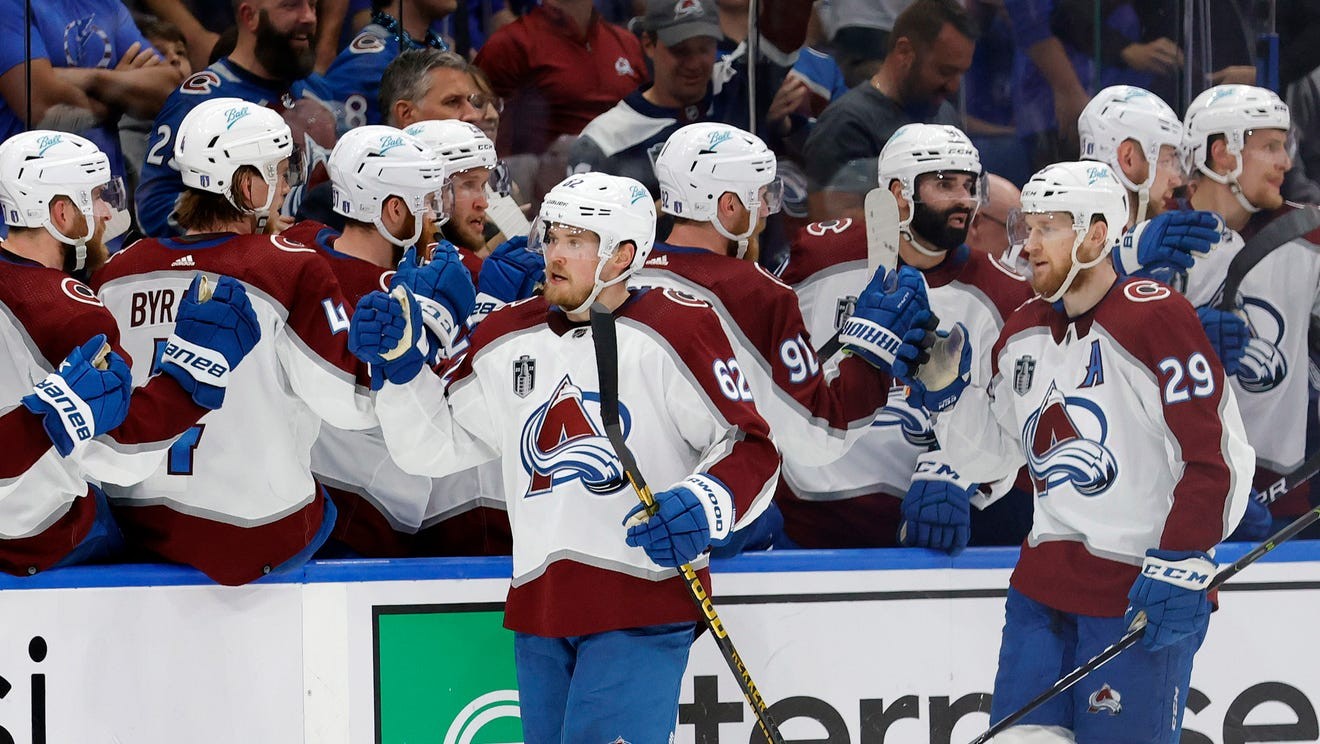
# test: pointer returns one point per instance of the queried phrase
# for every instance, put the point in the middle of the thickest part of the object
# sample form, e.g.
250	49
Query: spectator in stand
134	131
89	65
429	84
491	106
272	58
860	34
558	68
691	85
988	95
929	51
355	75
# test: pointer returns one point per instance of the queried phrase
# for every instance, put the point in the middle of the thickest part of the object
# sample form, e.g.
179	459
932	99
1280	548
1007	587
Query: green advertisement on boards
445	675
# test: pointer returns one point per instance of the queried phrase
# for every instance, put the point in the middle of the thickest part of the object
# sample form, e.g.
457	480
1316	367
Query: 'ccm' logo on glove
1190	573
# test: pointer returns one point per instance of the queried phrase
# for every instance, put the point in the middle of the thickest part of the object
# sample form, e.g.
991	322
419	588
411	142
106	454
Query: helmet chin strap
918	246
741	238
1077	265
1231	181
1143	202
79	244
404	243
598	286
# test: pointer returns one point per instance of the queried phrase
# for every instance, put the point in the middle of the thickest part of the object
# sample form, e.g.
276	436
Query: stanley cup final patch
1024	371
524	375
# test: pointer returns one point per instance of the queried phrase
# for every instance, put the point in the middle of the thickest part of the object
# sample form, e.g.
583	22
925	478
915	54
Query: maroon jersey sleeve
1162	330
25	441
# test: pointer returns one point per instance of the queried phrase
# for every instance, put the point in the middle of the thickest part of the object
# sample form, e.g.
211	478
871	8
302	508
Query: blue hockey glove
1168	240
1171	590
695	513
211	336
1257	522
511	272
1228	335
937	508
892	325
81	401
941	380
387	332
442	289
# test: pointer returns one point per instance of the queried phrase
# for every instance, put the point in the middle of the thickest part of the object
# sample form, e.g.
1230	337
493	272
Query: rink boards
850	647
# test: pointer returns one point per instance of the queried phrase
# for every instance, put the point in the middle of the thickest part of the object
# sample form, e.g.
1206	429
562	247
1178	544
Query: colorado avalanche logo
1106	699
1058	452
561	443
914	422
1263	364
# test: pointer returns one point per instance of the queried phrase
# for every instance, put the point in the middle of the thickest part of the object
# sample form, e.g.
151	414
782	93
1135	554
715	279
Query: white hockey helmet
917	149
700	162
221	135
462	146
1232	111
616	208
1081	191
1123	112
38	166
372	163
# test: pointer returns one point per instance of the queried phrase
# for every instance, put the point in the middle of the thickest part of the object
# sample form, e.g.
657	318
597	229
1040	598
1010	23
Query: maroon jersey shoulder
820	245
1152	321
56	311
280	267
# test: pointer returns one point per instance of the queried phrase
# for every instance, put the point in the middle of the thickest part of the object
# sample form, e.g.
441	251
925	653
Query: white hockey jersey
827	269
44	315
236	494
1129	433
527	392
1280	296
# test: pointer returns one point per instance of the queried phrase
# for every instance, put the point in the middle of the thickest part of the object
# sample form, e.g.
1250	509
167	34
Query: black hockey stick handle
1304	472
1133	635
605	338
830	348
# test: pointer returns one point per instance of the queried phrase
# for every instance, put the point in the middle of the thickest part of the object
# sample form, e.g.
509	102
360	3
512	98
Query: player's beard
276	53
933	228
568	295
97	253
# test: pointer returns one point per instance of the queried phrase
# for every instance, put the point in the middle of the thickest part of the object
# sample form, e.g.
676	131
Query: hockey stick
881	246
605	338
1291	226
1132	636
1304	472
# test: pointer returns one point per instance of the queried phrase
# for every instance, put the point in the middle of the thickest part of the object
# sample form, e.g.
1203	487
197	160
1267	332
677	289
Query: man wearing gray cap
689	84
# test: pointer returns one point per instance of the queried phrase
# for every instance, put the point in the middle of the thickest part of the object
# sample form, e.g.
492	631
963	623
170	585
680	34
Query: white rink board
859	647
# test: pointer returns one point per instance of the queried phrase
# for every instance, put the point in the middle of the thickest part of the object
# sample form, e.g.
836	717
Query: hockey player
269	66
719	184
1235	138
1109	392
1129	129
600	616
69	423
236	498
508	273
354	76
934	173
389	186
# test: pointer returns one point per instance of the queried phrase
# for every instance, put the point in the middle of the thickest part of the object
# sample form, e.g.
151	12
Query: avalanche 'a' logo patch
1065	444
1106	699
913	422
562	442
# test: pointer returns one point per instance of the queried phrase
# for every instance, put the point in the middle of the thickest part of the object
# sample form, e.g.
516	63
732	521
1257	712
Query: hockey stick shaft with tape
605	338
881	246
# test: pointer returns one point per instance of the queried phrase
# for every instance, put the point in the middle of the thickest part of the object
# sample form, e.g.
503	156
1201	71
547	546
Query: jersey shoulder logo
1264	365
561	443
366	43
1065	444
79	292
201	84
914	423
820	229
